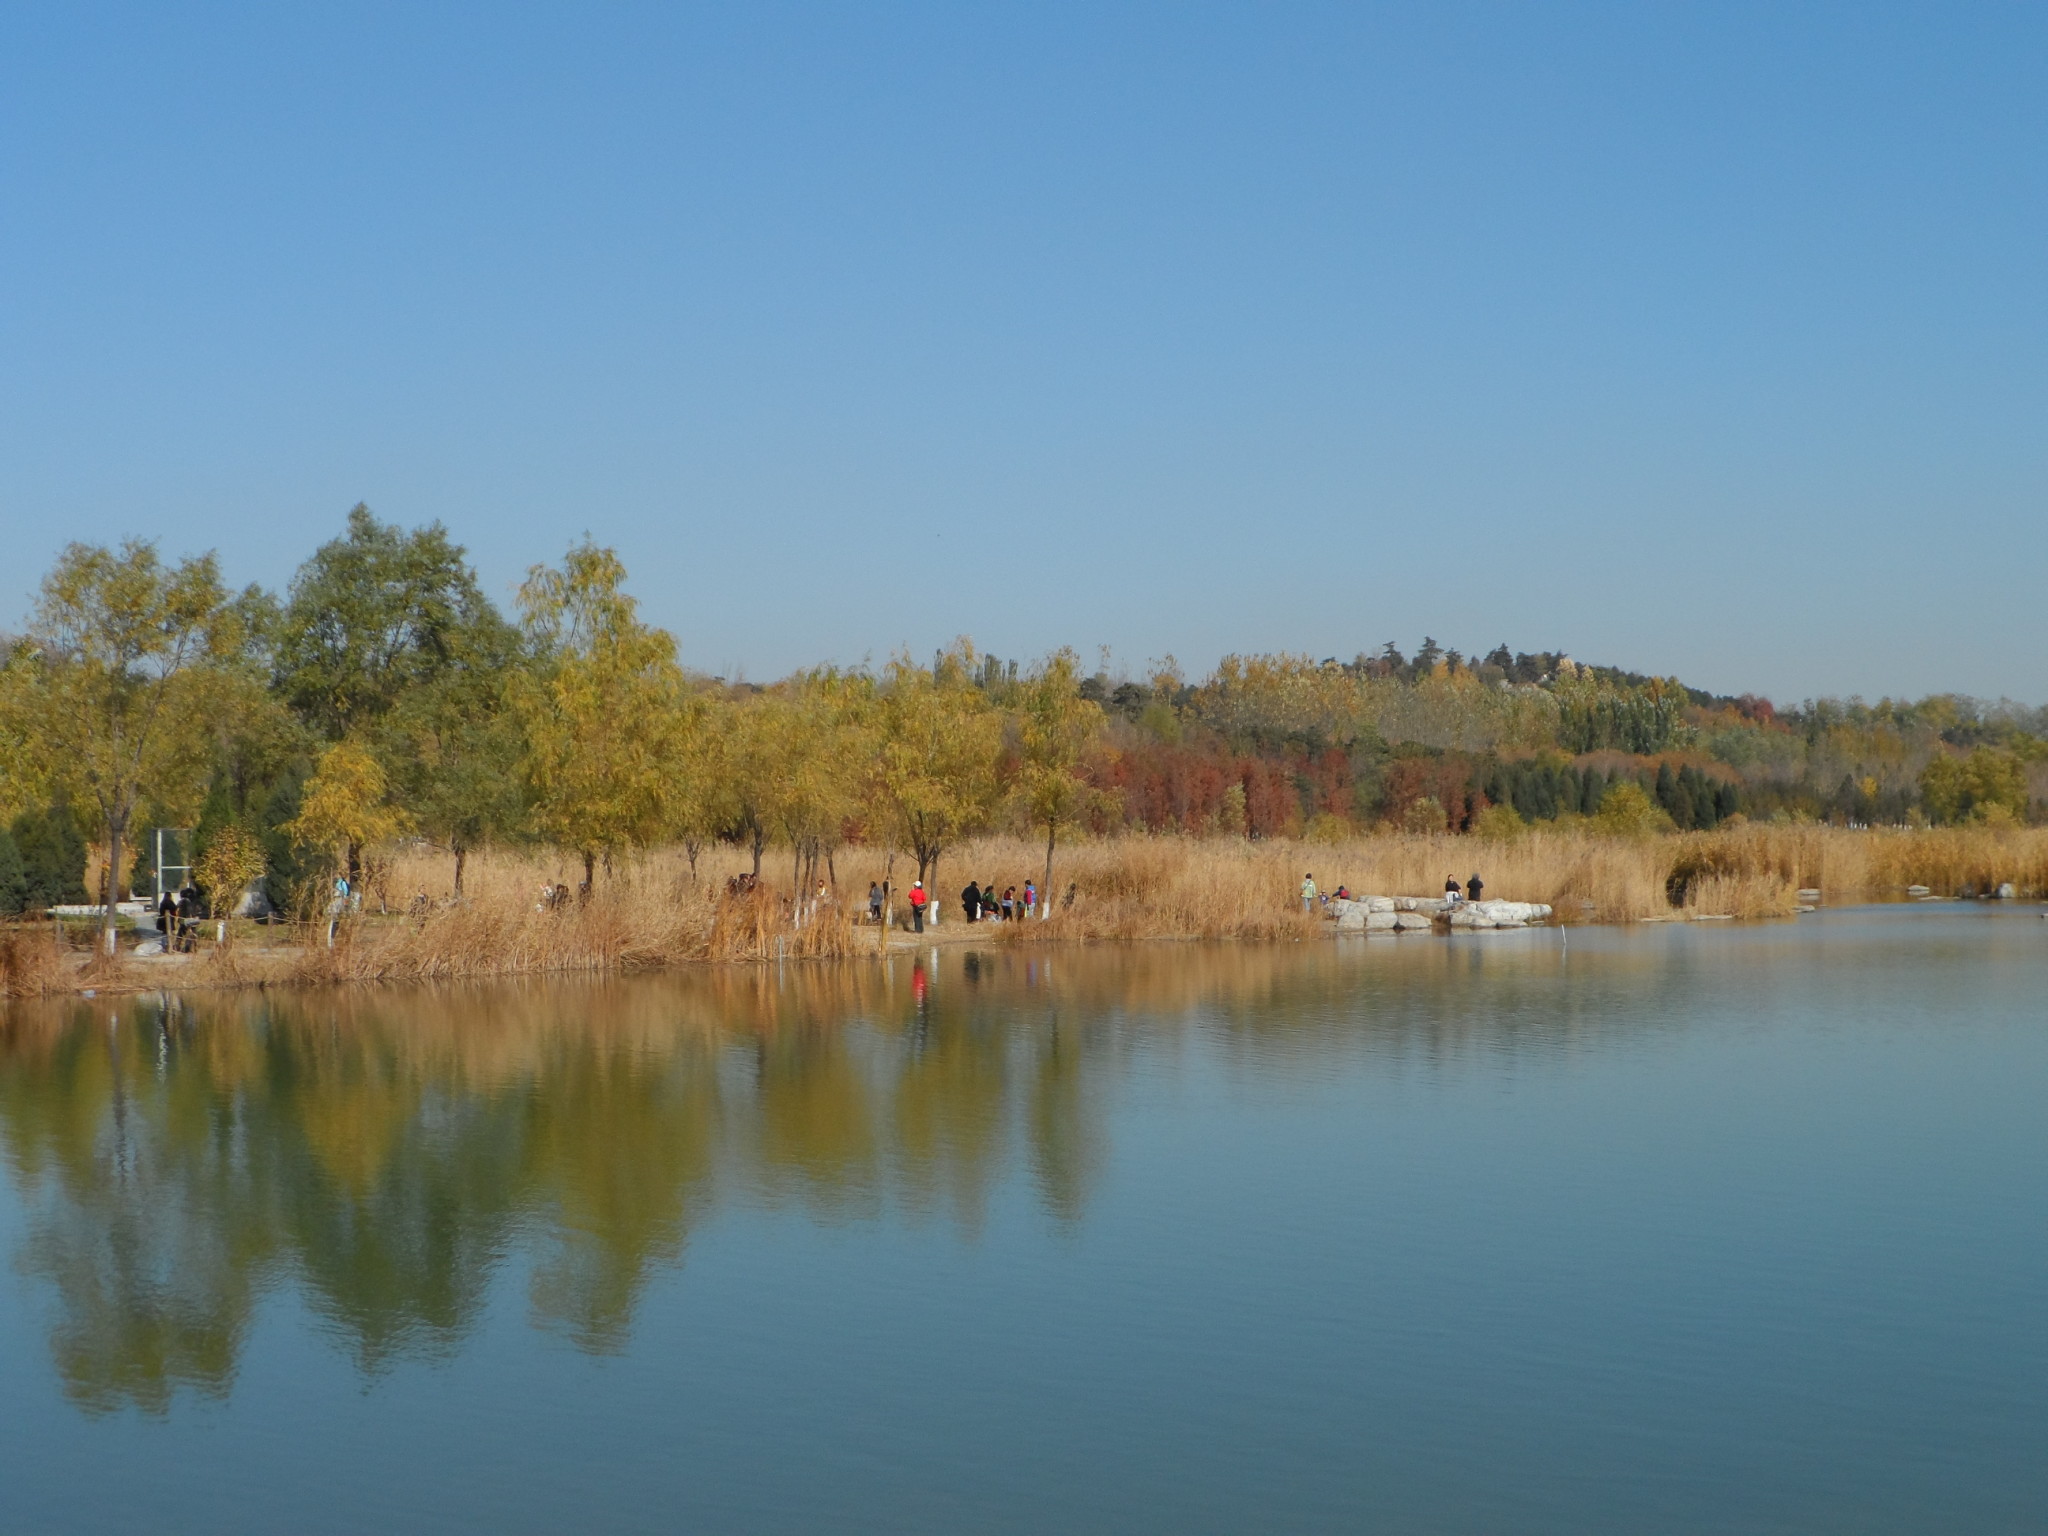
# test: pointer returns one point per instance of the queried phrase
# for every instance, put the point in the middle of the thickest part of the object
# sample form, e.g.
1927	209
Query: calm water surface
1687	1229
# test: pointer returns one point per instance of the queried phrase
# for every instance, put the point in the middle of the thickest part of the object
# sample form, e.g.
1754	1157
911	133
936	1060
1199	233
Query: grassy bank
655	913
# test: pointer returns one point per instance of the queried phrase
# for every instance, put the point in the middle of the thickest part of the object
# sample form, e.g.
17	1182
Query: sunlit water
1683	1229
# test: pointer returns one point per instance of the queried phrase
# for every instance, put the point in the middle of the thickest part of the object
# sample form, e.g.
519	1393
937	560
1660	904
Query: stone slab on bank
1380	914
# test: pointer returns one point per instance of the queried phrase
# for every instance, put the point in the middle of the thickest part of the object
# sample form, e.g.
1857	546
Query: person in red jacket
917	901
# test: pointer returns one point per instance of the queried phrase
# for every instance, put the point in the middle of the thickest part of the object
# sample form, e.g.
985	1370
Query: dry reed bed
656	912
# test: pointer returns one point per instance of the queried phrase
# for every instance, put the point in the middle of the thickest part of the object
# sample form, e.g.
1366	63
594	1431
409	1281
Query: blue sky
1706	339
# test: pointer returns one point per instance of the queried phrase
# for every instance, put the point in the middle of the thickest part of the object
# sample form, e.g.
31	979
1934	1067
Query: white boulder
1498	914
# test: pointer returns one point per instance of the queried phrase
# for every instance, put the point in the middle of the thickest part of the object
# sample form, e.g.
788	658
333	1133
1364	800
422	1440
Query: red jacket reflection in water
917	984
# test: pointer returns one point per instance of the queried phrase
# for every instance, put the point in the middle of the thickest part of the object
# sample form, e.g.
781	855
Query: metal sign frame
182	838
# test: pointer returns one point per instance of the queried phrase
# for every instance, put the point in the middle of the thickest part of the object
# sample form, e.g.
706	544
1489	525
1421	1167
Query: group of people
981	901
177	918
978	902
1454	894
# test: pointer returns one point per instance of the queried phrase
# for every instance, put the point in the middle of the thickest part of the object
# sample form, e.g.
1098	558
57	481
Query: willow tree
110	698
938	741
702	803
813	731
1055	729
602	708
745	746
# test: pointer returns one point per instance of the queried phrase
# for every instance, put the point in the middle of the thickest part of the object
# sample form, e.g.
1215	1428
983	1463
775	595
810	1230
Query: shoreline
80	973
668	909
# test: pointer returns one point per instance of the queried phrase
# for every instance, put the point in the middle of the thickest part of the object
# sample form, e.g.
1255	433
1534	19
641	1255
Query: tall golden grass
33	961
654	911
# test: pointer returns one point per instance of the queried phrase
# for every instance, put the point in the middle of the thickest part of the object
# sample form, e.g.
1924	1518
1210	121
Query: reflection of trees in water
387	1149
155	1235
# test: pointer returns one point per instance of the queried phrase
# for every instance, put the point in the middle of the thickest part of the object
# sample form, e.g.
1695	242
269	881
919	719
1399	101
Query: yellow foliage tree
1055	729
1988	786
347	807
1627	810
232	862
112	694
604	710
938	739
815	748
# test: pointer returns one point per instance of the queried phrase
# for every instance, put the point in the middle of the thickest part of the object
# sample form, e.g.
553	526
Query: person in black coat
970	902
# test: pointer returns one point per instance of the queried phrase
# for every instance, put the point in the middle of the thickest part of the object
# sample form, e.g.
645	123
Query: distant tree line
383	696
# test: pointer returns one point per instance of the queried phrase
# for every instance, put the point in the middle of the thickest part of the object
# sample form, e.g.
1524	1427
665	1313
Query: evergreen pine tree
13	877
52	853
1666	794
1591	787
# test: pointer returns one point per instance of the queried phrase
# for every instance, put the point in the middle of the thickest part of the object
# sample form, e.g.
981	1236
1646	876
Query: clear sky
1694	338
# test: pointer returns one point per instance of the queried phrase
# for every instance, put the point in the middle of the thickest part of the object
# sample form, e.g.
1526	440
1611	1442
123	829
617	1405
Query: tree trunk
1045	890
691	848
760	842
116	826
589	875
355	870
461	857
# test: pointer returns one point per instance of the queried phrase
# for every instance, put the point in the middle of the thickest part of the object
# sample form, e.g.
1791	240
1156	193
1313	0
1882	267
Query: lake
1681	1228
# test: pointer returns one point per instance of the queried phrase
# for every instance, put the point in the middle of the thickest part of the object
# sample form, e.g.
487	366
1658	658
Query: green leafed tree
374	614
458	749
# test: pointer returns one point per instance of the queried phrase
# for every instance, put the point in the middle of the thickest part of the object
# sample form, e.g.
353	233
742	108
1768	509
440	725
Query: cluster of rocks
1376	914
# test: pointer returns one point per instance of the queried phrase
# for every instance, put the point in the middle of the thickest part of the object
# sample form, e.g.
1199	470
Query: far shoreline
247	967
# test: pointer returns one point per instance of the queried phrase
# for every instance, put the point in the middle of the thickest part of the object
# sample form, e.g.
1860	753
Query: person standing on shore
917	903
1473	887
1308	893
1030	900
970	902
874	901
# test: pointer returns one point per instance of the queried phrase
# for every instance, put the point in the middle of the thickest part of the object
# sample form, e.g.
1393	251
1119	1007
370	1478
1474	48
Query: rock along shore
1396	914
